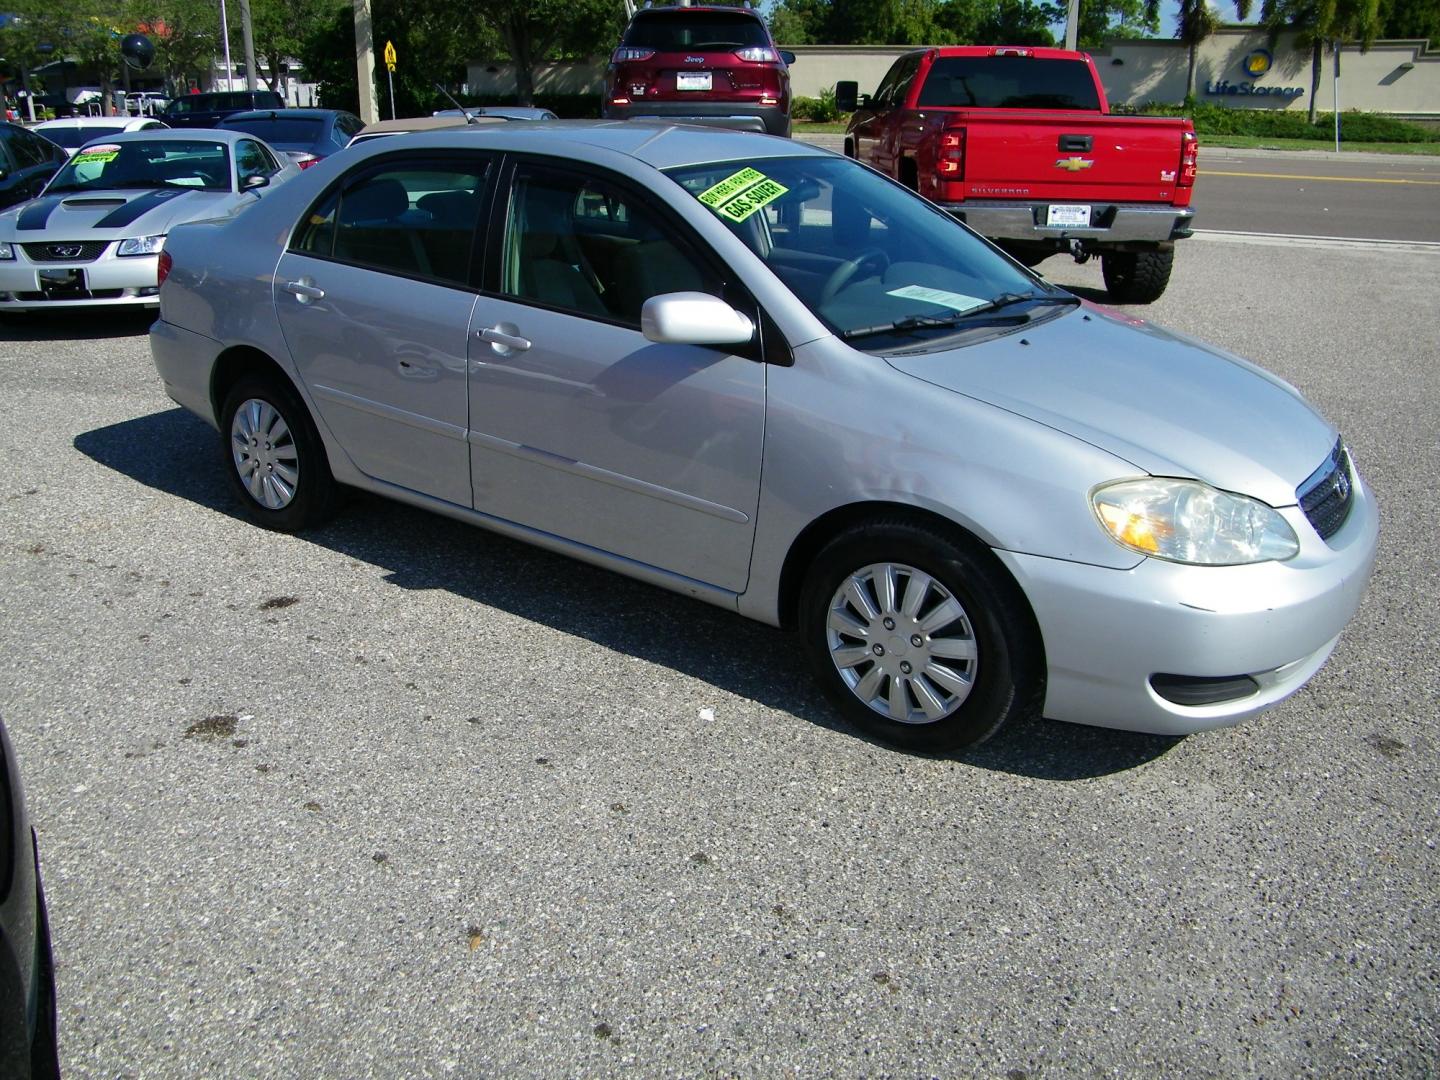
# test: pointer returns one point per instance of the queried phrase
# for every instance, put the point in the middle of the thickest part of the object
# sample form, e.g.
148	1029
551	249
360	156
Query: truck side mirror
787	56
847	95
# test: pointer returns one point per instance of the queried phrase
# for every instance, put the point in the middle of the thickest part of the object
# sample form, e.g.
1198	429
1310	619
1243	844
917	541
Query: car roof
230	138
427	123
285	114
659	145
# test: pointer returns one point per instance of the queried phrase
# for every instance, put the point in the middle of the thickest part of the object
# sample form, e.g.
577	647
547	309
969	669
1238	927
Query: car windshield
75	135
303	131
877	264
1010	82
172	163
695	30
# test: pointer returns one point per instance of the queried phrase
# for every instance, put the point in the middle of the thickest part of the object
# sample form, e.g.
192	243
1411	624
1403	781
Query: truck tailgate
1021	153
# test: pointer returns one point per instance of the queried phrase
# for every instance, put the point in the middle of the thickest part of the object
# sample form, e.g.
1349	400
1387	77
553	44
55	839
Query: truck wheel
1137	277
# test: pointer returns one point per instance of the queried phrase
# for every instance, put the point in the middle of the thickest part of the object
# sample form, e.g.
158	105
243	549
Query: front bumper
740	116
1107	632
105	281
1111	223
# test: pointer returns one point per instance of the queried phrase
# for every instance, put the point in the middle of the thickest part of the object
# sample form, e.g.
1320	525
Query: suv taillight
758	54
950	162
1189	159
162	268
627	53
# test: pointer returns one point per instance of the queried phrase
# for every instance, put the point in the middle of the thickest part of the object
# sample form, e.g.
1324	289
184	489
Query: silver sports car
768	377
93	235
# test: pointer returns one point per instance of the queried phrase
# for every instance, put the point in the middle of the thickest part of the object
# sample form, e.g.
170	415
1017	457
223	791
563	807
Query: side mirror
250	183
847	95
693	318
787	56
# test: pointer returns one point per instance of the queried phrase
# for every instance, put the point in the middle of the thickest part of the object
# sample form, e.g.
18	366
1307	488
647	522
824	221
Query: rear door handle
304	291
495	336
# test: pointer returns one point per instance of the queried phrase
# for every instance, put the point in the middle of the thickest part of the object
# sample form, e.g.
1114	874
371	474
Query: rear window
700	31
71	137
281	129
234	99
1010	82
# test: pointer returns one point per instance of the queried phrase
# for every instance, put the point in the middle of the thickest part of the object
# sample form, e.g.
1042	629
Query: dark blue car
305	135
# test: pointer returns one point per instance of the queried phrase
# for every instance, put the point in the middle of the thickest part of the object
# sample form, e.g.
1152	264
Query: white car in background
74	132
94	235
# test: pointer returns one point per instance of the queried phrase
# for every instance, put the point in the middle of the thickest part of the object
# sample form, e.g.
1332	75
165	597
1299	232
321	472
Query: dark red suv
707	65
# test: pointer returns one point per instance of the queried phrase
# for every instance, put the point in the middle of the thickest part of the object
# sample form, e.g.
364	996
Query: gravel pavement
401	798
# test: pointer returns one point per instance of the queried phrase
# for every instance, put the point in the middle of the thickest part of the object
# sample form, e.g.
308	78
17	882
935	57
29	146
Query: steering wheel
842	274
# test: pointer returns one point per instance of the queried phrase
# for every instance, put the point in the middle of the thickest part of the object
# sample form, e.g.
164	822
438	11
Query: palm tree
1198	20
1315	22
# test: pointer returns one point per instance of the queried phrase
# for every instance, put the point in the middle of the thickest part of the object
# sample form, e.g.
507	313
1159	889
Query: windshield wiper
931	322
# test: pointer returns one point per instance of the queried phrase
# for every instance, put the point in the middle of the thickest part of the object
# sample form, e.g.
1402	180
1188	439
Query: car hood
101	214
1168	404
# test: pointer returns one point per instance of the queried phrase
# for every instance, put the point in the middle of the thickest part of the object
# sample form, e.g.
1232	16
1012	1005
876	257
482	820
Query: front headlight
7	252
1186	521
141	245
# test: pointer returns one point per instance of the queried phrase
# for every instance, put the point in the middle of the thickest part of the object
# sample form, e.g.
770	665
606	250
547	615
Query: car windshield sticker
738	196
953	300
97	153
731	185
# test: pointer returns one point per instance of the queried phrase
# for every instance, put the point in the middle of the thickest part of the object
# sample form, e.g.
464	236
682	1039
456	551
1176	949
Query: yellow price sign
390	55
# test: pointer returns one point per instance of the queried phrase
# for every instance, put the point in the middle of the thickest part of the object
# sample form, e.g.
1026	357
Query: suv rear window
700	31
1009	82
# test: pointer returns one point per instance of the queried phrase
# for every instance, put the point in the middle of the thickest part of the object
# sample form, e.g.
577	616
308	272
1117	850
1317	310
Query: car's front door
374	299
583	428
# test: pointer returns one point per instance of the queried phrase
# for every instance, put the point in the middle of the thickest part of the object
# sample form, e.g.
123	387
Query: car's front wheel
919	640
276	461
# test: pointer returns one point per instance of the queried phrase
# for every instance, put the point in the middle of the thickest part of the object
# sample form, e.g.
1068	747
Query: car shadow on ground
74	324
179	454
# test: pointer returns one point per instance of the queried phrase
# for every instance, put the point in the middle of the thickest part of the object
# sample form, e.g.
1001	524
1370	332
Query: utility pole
1072	25
247	35
365	61
225	33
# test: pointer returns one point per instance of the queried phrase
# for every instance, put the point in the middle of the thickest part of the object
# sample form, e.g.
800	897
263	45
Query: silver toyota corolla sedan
93	235
766	376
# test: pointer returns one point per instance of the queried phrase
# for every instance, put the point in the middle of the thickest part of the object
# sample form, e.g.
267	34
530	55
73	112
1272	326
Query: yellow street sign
390	55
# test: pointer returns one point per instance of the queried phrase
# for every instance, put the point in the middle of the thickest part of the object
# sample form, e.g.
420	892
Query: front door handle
304	291
495	336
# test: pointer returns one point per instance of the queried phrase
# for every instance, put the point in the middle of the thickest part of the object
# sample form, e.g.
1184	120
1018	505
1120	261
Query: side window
29	151
909	67
586	246
250	160
414	218
887	84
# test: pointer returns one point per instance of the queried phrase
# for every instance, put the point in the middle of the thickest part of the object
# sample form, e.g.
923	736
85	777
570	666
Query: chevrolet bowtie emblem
1073	164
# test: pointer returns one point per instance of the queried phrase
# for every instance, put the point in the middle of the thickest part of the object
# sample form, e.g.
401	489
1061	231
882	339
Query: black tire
1005	676
1137	277
312	493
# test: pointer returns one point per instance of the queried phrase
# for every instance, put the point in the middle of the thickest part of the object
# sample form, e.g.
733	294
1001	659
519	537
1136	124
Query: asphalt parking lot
404	798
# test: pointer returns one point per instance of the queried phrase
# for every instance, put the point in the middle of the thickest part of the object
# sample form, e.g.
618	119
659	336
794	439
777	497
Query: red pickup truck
1019	144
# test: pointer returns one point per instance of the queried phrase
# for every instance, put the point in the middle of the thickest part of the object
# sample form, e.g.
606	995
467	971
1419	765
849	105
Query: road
1369	196
399	797
1308	193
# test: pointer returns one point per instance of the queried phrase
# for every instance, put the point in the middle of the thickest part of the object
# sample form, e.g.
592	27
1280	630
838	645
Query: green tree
280	29
1101	20
1316	22
531	31
1411	19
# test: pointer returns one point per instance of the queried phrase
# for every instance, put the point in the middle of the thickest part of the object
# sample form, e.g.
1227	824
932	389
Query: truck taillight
1189	159
162	268
950	162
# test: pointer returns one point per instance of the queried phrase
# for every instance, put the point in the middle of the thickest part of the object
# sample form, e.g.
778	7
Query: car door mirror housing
694	318
250	183
787	56
847	95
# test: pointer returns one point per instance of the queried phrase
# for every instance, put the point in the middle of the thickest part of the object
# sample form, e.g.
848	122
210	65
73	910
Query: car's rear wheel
276	460
918	639
1137	277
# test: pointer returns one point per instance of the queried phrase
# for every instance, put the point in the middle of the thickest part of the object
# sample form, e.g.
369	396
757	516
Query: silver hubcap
265	455
902	643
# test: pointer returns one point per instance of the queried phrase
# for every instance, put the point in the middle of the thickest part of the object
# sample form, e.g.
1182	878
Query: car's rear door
374	298
583	428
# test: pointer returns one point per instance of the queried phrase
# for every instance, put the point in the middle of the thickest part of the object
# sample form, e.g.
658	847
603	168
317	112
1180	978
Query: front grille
1326	496
66	251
